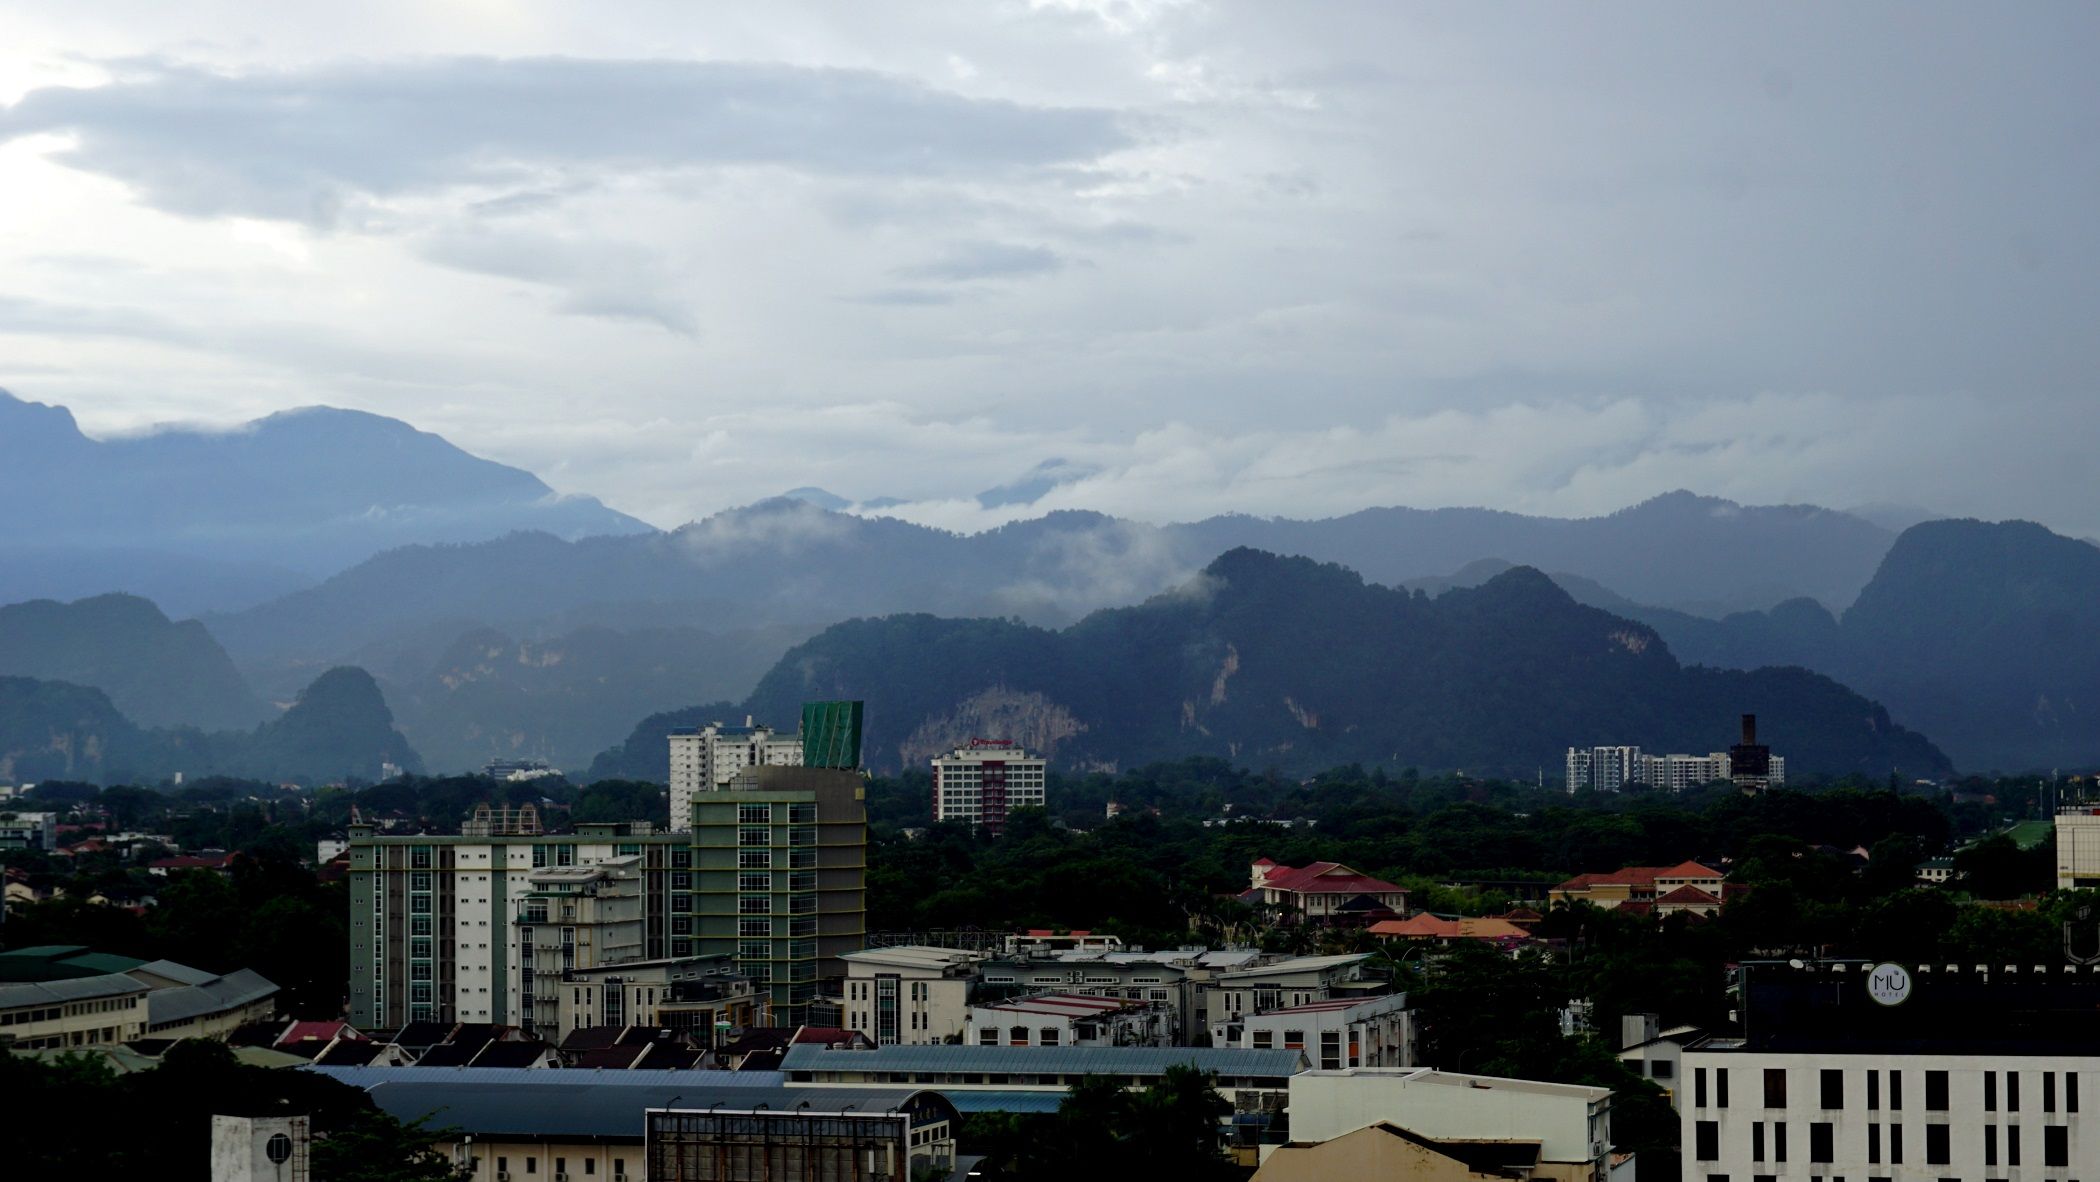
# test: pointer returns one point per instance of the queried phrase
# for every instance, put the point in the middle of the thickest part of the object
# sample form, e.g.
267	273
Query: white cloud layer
1186	257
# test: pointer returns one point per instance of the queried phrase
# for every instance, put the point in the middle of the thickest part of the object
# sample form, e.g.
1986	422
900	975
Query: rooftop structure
1644	888
1570	1123
2077	847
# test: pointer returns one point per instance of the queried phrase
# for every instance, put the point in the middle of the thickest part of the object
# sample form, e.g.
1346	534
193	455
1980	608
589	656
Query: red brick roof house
1325	892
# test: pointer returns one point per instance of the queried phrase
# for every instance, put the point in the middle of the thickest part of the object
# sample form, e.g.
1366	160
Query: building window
1720	1087
1873	1090
1895	1145
1775	1087
1048	1035
1757	1140
681	902
1779	1141
2012	1145
2012	1093
681	880
1660	1069
1895	1091
1937	1149
754	814
419	926
1833	1081
1330	1050
1990	1091
802	814
1990	1142
988	1036
1706	1141
420	904
754	905
754	882
419	881
754	950
2056	1145
2048	1092
1936	1094
682	859
754	859
1698	1087
754	836
1822	1142
754	927
1264	1040
1873	1145
1294	1040
2070	1091
681	925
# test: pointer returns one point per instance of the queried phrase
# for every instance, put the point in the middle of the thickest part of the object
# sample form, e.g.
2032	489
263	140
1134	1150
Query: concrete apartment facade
780	880
706	758
1070	1020
982	781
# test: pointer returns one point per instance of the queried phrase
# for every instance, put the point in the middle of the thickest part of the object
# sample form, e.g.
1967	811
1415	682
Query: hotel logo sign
1888	984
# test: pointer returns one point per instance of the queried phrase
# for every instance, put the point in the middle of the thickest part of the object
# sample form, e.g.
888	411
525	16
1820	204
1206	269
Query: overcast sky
1195	257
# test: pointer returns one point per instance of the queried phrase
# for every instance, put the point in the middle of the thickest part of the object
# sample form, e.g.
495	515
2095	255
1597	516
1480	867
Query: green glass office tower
831	734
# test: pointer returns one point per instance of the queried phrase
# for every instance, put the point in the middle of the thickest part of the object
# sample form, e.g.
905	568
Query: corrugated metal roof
184	1002
176	971
367	1077
552	1107
1230	1062
43	993
1301	964
982	1100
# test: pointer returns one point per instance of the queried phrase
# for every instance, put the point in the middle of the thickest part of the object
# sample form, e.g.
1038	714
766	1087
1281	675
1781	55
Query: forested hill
158	672
339	729
1272	661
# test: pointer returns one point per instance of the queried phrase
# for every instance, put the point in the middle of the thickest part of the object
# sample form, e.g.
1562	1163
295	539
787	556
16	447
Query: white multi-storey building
2077	847
1885	1072
707	758
1570	1123
1609	769
1334	1033
984	780
911	994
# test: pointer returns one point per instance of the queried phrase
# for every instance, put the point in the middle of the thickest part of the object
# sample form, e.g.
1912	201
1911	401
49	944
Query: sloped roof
32	993
1688	870
176	971
1326	878
184	1002
59	962
1416	927
1688	895
1120	1061
348	1053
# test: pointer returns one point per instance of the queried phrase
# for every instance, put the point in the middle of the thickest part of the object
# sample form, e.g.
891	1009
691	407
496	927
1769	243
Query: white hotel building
1980	1080
984	780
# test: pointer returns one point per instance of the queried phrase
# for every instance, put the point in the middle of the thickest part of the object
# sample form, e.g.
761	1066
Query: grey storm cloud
986	260
298	144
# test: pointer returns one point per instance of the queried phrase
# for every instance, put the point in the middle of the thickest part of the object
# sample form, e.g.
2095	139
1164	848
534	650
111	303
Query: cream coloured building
2077	847
1570	1123
80	1012
910	995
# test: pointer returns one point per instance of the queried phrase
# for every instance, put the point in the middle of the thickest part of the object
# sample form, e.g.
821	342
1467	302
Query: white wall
1965	1115
1328	1104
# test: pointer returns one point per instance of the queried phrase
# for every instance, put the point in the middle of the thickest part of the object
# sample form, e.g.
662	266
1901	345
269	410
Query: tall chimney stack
1749	730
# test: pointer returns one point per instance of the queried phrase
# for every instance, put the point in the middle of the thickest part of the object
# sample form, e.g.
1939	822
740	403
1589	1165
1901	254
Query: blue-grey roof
597	1108
368	1077
43	993
982	1100
1228	1062
216	996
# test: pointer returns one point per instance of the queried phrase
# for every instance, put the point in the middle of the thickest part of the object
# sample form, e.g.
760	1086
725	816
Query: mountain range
1285	662
515	623
338	728
197	520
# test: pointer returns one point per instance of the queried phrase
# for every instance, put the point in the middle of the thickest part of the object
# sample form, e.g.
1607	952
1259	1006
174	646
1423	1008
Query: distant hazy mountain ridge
1285	662
242	515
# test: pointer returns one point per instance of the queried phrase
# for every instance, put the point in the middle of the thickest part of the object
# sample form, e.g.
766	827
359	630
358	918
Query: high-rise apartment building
984	780
1609	769
780	879
441	930
704	759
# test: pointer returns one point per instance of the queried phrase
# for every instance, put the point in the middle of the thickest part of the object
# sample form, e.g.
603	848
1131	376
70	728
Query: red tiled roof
315	1032
1638	876
1326	878
1688	870
1417	927
1688	894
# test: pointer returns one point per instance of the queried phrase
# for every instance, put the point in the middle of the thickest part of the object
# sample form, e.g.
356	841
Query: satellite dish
1796	963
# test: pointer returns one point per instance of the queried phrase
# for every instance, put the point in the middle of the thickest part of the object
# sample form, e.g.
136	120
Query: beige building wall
86	1022
1570	1122
522	1159
1370	1153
